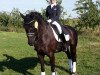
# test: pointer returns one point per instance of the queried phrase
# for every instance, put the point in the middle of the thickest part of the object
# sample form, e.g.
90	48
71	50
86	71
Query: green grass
22	59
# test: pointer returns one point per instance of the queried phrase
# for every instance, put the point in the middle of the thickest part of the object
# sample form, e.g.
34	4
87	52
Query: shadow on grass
22	65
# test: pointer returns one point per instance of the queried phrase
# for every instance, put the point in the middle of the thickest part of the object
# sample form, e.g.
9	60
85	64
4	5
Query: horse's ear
22	15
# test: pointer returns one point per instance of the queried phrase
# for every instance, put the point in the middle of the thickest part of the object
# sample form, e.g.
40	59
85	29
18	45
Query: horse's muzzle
31	44
31	40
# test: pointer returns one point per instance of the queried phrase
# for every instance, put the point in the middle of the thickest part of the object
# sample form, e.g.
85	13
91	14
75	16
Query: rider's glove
49	20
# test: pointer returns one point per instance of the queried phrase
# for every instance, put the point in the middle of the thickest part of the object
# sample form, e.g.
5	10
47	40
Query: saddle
61	36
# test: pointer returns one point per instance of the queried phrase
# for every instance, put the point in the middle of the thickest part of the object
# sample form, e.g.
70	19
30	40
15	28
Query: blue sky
24	5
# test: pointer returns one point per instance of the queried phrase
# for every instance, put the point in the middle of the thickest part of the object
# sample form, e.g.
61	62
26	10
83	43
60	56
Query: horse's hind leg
73	55
69	58
41	59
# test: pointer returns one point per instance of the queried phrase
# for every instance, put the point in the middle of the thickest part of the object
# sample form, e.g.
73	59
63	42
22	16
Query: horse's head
30	28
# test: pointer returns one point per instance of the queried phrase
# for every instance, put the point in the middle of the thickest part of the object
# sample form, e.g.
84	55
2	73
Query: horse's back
69	28
72	32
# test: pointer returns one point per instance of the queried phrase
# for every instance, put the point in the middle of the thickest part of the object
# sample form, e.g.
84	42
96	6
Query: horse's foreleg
41	59
52	63
73	54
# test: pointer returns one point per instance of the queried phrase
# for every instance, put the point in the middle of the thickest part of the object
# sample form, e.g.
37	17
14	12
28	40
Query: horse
40	35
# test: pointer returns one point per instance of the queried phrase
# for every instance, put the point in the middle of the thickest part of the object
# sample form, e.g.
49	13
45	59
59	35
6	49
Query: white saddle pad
67	37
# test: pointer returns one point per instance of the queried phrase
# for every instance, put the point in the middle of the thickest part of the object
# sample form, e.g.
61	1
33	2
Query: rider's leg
58	26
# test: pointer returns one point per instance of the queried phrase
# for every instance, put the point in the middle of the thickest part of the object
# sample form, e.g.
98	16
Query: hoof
73	74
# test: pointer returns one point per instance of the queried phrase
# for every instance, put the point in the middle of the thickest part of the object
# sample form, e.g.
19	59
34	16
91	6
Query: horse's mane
37	14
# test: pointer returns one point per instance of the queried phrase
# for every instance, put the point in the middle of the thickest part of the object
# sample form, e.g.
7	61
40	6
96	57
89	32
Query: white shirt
53	5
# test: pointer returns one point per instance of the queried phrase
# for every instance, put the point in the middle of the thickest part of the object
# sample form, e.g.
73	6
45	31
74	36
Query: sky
24	5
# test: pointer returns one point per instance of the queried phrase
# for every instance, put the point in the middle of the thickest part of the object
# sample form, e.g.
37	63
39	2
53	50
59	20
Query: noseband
30	34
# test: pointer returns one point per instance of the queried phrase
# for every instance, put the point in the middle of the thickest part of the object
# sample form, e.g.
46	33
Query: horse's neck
41	25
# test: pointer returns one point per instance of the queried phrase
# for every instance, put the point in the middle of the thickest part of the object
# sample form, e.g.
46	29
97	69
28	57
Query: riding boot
65	47
62	37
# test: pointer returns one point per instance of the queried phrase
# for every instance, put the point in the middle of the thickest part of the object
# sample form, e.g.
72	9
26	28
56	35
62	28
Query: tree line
88	16
10	21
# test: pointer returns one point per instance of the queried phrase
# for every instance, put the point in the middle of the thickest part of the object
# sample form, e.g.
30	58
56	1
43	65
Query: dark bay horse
40	35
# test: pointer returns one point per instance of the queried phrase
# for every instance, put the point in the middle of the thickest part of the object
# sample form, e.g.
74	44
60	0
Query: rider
53	12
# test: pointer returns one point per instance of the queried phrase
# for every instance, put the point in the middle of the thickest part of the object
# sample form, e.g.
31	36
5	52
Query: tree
88	14
4	18
10	21
15	19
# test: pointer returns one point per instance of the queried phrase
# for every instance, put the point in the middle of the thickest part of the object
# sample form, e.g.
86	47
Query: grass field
18	58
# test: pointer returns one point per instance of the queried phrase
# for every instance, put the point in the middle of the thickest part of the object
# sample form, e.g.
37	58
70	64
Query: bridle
30	22
30	34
